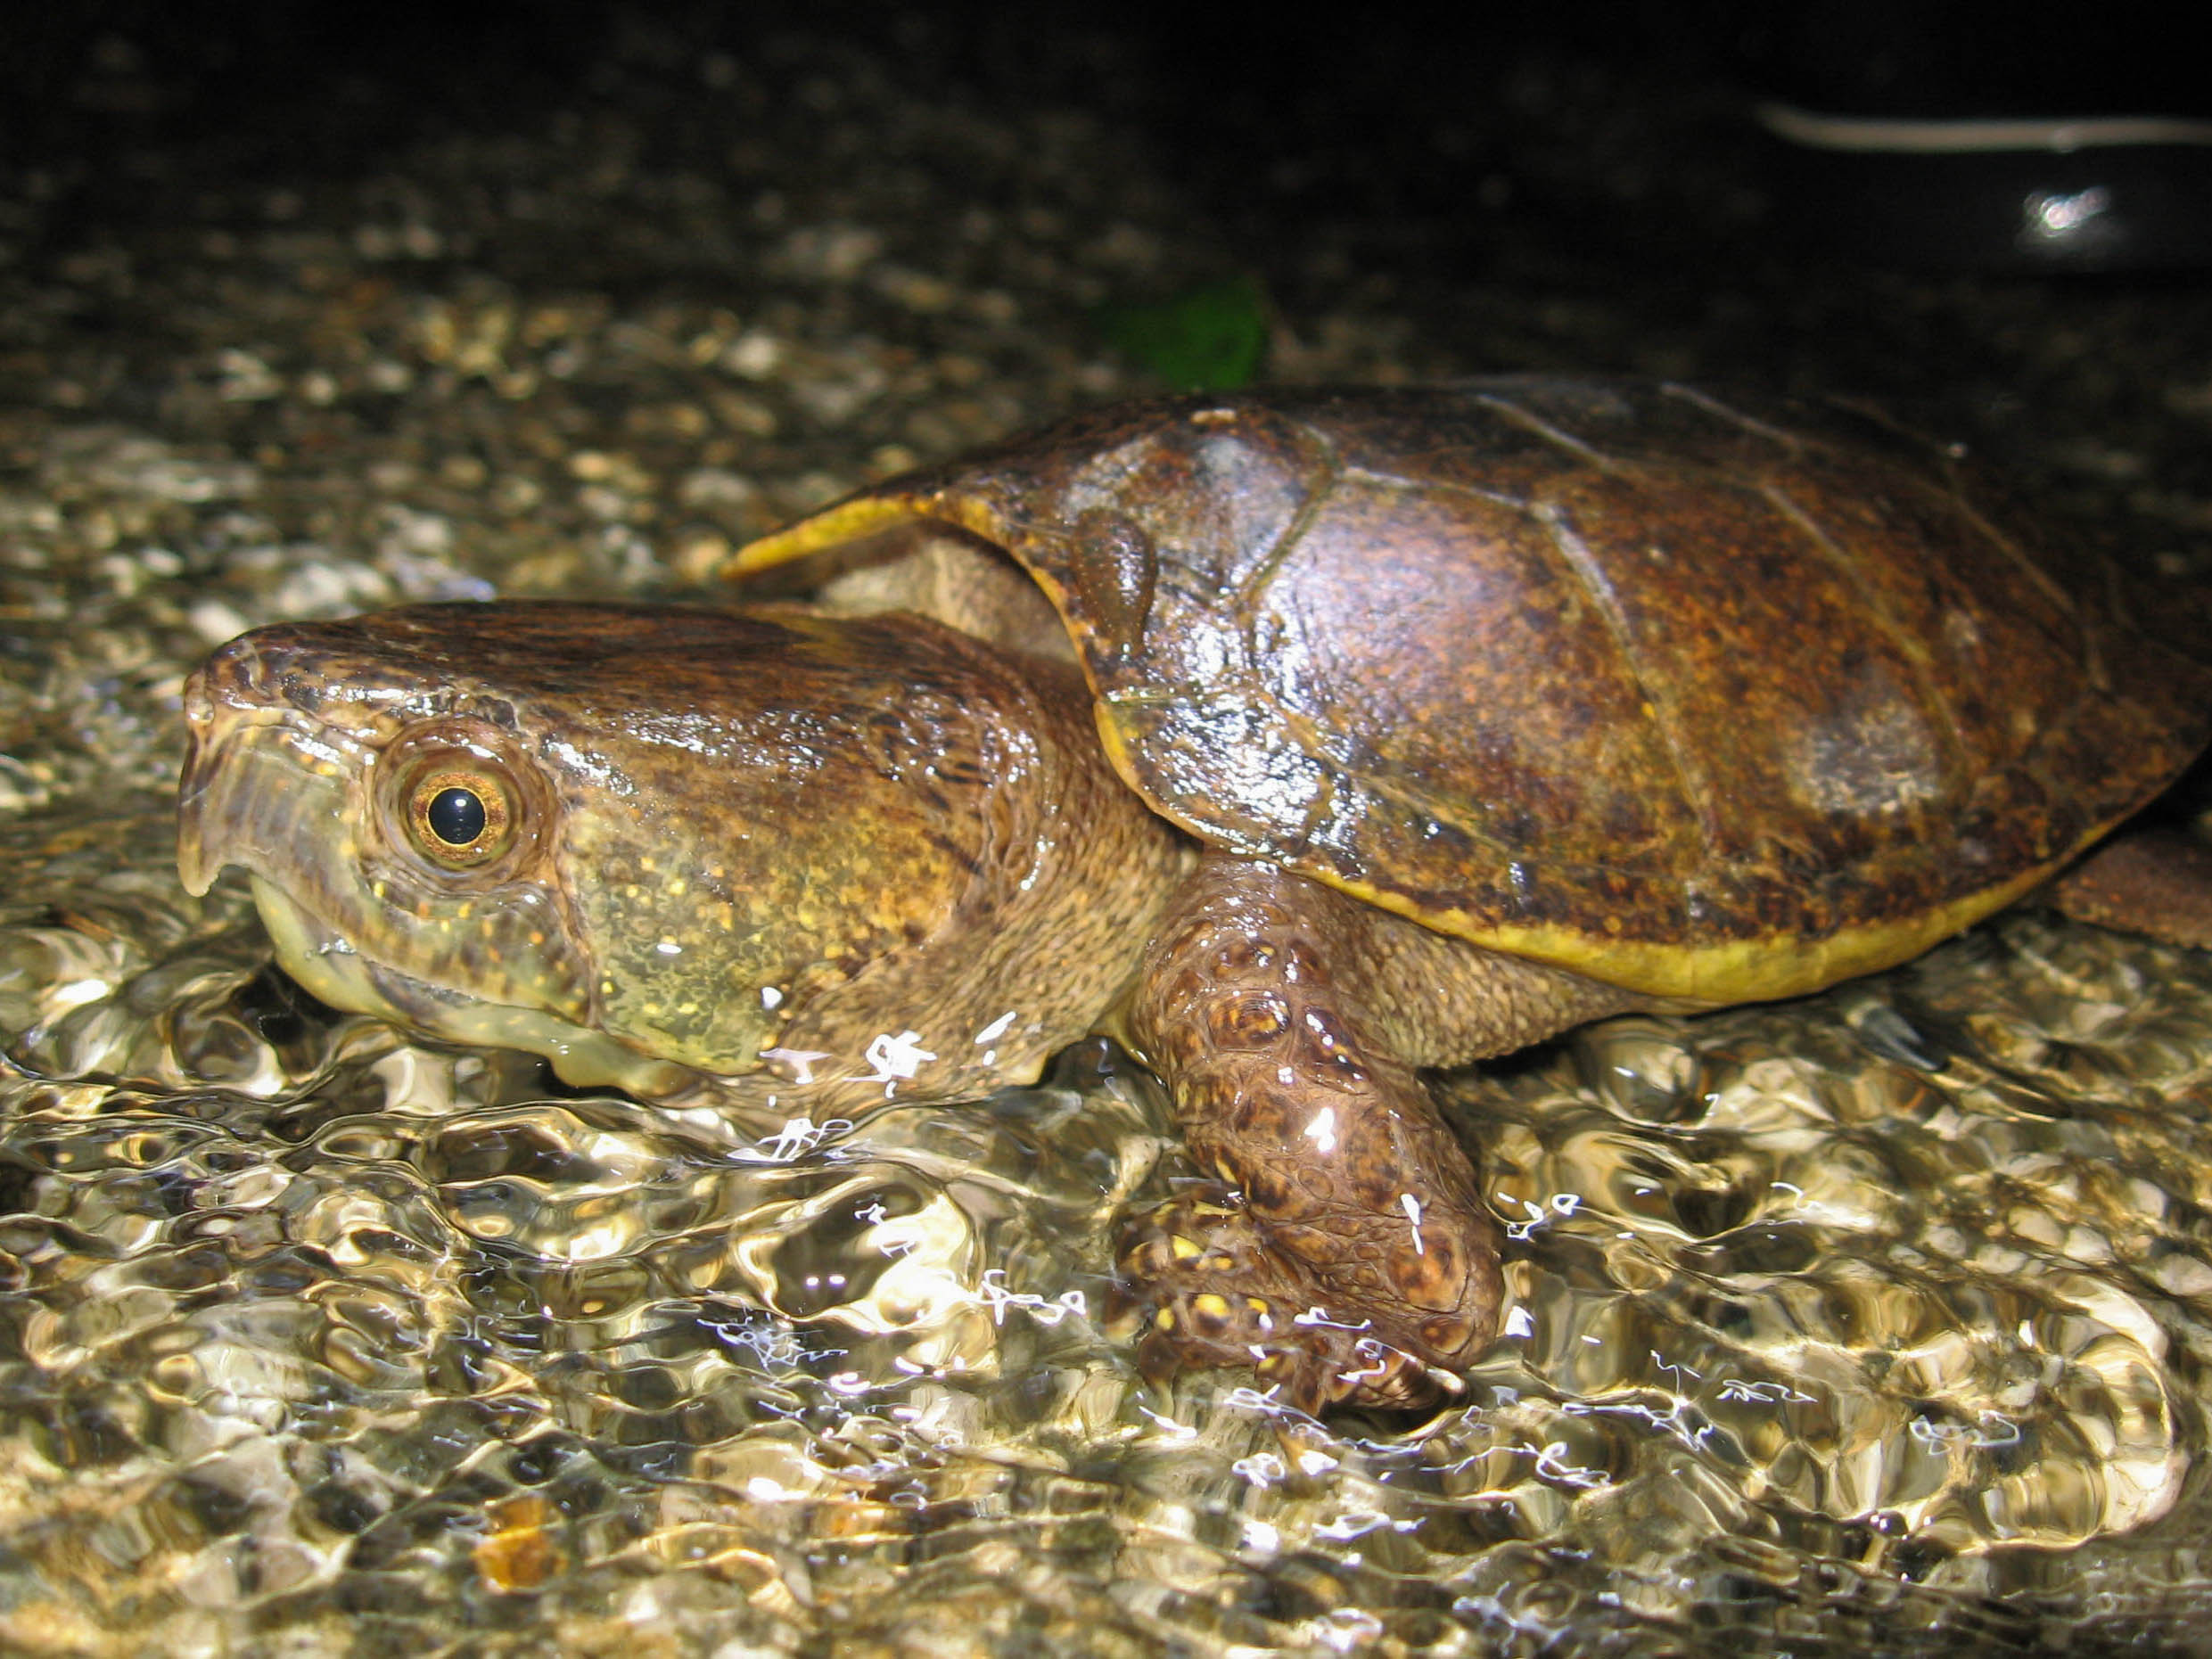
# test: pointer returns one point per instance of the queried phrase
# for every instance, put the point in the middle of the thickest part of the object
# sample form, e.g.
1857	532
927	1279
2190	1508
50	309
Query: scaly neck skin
1066	892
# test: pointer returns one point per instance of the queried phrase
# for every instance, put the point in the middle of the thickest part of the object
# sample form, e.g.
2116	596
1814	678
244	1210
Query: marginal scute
1707	696
1114	564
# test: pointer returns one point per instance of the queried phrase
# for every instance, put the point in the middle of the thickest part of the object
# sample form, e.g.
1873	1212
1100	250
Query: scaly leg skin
2156	883
1346	1256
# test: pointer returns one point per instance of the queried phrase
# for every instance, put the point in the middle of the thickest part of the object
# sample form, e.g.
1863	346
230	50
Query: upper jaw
246	790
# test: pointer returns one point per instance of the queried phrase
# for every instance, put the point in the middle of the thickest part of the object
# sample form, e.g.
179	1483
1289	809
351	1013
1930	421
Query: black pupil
457	817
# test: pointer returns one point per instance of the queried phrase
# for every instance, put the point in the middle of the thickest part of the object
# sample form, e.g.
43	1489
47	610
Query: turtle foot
2153	881
1208	1290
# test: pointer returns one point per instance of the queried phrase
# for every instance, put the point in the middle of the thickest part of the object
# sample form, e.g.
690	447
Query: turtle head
633	841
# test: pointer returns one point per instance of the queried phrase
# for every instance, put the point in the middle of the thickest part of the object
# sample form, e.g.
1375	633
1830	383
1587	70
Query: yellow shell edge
856	519
1733	971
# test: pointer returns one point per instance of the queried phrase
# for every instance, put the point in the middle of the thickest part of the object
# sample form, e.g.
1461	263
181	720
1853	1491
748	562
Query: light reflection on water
1880	1316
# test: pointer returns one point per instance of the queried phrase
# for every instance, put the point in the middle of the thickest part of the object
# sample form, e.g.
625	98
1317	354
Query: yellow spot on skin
1164	1320
1213	1306
1613	924
1182	1249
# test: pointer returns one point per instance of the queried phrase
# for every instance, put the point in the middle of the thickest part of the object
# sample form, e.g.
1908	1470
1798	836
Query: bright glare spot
997	1028
799	1136
1263	1469
994	1294
2052	215
800	1060
1413	1214
1322	1130
896	1057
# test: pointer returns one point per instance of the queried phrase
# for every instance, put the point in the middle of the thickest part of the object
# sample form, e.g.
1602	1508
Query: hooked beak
256	775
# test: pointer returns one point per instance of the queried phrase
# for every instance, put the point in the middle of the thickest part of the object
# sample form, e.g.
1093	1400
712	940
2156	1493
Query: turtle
1309	741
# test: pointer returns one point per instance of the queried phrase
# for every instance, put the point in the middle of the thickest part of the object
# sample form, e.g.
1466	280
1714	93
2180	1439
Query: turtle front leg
1346	1254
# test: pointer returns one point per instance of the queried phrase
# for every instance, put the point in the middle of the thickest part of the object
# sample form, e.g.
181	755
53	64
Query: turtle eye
463	799
460	816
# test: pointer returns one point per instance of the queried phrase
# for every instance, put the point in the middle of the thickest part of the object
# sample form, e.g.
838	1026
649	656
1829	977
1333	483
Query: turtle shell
1709	697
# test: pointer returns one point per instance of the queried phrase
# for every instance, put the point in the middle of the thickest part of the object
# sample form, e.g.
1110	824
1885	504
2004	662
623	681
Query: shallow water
1875	1324
1878	1321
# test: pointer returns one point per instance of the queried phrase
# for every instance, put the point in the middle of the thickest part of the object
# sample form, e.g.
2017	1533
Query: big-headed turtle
1401	727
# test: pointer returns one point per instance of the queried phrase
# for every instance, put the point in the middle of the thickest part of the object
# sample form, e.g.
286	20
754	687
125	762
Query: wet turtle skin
1412	726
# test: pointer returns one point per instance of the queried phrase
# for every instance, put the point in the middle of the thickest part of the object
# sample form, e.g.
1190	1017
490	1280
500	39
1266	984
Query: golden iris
460	814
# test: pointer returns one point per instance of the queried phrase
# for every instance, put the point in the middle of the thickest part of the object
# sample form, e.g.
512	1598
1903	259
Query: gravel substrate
303	1351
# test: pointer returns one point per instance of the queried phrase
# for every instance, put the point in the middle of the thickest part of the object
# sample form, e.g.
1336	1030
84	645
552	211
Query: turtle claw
1206	1290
